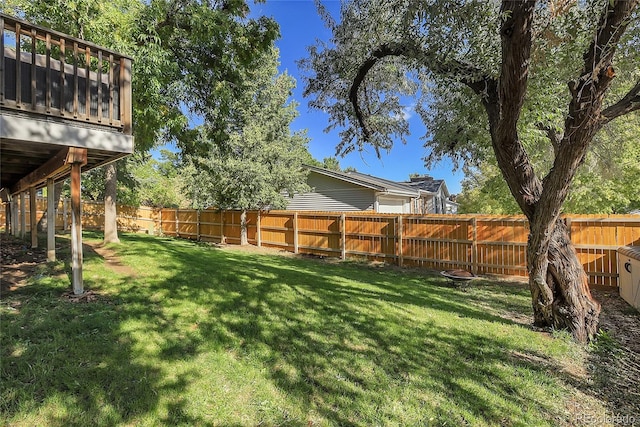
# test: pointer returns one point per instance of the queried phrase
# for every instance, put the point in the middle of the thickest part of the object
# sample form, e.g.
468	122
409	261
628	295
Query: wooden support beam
76	231
51	221
23	215
76	155
14	216
33	224
54	166
7	217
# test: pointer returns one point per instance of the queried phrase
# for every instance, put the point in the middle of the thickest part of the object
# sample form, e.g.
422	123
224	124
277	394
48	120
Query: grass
203	336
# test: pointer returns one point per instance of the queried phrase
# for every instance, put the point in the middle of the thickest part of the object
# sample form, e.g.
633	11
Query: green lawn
204	336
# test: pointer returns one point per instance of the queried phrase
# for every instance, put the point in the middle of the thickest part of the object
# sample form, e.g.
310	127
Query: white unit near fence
629	270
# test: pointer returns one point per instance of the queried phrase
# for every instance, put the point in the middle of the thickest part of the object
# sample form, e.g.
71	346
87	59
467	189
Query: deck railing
46	72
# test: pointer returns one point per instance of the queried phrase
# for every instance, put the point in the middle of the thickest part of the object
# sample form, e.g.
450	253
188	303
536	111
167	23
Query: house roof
428	184
368	181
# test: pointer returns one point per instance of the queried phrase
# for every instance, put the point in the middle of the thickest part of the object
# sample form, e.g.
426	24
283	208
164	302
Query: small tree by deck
492	50
261	162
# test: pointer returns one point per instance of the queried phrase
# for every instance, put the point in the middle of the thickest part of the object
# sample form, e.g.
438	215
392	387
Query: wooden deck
65	107
57	91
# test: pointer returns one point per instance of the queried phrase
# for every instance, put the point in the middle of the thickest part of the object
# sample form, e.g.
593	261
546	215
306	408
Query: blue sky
300	27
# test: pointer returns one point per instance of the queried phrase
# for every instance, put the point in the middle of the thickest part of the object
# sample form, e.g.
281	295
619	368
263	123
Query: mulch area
17	262
615	369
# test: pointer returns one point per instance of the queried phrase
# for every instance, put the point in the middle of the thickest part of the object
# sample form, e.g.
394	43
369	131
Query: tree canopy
493	79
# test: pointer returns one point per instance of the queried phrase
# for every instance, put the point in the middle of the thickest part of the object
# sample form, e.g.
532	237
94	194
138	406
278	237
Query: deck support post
23	215
76	231
14	216
7	217
33	224
77	157
51	221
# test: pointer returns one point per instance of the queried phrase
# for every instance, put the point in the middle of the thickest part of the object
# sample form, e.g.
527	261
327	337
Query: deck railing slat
33	69
62	76
18	68
99	86
111	89
48	81
87	82
75	79
2	60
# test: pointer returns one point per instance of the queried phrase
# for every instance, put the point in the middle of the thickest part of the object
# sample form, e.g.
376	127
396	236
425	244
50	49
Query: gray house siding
329	194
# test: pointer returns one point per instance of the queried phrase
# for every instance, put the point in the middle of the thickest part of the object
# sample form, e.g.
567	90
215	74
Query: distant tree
492	77
261	162
159	182
331	163
607	182
350	169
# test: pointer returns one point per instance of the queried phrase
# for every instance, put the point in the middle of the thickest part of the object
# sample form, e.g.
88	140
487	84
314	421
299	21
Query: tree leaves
261	161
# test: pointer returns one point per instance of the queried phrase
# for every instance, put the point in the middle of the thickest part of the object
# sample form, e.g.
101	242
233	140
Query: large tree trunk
244	237
559	289
110	213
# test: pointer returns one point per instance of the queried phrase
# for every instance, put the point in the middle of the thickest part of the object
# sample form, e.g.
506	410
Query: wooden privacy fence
480	243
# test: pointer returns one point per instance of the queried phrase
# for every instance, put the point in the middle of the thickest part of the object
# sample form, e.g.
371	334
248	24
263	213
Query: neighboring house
353	191
434	196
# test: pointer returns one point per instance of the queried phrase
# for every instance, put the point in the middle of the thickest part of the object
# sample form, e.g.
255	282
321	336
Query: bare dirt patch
17	262
111	259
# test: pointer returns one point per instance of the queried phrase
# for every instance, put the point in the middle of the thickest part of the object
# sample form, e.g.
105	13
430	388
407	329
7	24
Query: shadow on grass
341	341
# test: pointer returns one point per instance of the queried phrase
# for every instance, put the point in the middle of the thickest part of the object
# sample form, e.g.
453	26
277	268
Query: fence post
295	232
474	246
400	238
198	225
258	232
343	236
177	223
222	227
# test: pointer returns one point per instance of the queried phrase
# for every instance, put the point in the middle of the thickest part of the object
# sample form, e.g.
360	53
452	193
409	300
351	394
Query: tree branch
554	136
504	112
377	54
462	72
630	102
585	108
